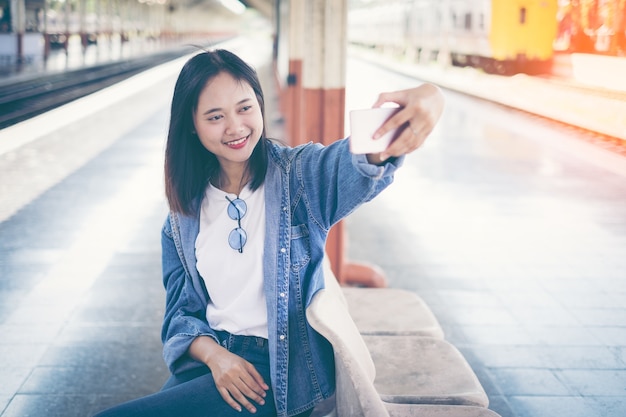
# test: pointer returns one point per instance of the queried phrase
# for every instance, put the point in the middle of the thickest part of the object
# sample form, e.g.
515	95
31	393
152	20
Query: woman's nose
234	126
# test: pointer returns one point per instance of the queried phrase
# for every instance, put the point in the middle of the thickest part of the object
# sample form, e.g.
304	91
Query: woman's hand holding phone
400	130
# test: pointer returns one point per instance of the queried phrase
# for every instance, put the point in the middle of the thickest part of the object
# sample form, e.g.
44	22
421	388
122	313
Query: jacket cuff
176	352
377	171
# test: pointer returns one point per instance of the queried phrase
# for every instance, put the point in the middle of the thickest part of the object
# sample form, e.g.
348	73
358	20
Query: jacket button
283	250
282	294
282	337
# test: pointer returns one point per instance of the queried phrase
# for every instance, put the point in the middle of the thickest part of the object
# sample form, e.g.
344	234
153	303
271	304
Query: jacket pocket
300	247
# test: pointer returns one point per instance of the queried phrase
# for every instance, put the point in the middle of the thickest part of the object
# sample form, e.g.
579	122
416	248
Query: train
497	36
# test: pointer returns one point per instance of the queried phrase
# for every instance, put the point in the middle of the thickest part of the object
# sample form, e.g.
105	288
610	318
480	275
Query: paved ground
513	231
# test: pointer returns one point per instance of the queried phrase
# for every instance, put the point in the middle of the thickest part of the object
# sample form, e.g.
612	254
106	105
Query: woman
244	242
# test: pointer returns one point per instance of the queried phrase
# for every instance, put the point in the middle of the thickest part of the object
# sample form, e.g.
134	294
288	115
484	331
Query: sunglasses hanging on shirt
237	238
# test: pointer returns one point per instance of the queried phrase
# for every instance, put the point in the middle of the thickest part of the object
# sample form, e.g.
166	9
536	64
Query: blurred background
510	221
498	36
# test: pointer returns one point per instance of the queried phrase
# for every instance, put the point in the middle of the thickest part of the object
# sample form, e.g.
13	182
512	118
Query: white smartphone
363	124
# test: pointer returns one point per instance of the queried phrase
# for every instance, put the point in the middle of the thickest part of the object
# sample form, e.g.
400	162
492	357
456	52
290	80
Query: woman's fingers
250	386
409	140
241	385
420	109
225	393
398	97
242	393
238	394
257	380
396	121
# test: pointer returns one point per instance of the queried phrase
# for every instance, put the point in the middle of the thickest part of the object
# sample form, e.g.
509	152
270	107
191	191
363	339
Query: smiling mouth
237	143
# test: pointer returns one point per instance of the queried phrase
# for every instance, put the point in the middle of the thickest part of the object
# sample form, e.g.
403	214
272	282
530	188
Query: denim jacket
307	190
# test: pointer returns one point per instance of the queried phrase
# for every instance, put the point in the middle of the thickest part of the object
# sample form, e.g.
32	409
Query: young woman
244	242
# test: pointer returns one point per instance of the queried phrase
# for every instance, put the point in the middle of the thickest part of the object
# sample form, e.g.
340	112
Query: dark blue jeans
194	394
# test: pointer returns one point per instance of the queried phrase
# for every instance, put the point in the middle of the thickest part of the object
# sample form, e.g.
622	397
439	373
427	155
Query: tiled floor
507	226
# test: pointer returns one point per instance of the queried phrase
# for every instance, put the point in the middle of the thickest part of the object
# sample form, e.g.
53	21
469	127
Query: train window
522	15
468	21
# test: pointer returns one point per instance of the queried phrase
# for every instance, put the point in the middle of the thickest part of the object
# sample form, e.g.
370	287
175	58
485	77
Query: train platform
511	228
75	56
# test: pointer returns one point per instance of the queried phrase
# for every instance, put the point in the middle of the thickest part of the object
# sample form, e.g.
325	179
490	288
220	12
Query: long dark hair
188	164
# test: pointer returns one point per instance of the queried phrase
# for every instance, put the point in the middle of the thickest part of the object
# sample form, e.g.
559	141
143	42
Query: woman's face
228	119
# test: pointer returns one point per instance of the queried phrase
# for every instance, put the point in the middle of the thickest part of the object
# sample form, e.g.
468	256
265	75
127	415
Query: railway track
23	99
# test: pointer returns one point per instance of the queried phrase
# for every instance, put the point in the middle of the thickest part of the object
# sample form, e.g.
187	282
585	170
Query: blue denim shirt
307	190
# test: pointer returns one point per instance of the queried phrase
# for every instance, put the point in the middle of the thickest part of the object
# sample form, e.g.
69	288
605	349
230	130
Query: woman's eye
246	108
215	118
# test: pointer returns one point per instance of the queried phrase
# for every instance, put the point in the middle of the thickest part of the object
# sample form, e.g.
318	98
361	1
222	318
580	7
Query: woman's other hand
237	380
422	107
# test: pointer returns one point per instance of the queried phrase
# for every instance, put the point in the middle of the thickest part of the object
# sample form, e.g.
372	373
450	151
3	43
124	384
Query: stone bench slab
391	311
419	370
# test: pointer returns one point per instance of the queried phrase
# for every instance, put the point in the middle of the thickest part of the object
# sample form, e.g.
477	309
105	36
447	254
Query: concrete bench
391	311
423	370
385	311
388	369
356	392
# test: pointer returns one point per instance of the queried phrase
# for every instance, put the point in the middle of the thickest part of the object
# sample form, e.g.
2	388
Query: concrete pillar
122	12
68	17
294	115
46	35
313	100
109	26
323	89
18	25
82	22
443	56
324	69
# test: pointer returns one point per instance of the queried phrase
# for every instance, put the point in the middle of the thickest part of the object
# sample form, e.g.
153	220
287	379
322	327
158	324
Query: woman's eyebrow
219	108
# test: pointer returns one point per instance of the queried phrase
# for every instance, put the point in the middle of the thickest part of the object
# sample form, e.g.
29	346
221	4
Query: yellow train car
523	29
503	36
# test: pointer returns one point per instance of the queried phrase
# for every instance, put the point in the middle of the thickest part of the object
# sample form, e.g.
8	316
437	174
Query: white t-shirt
233	280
